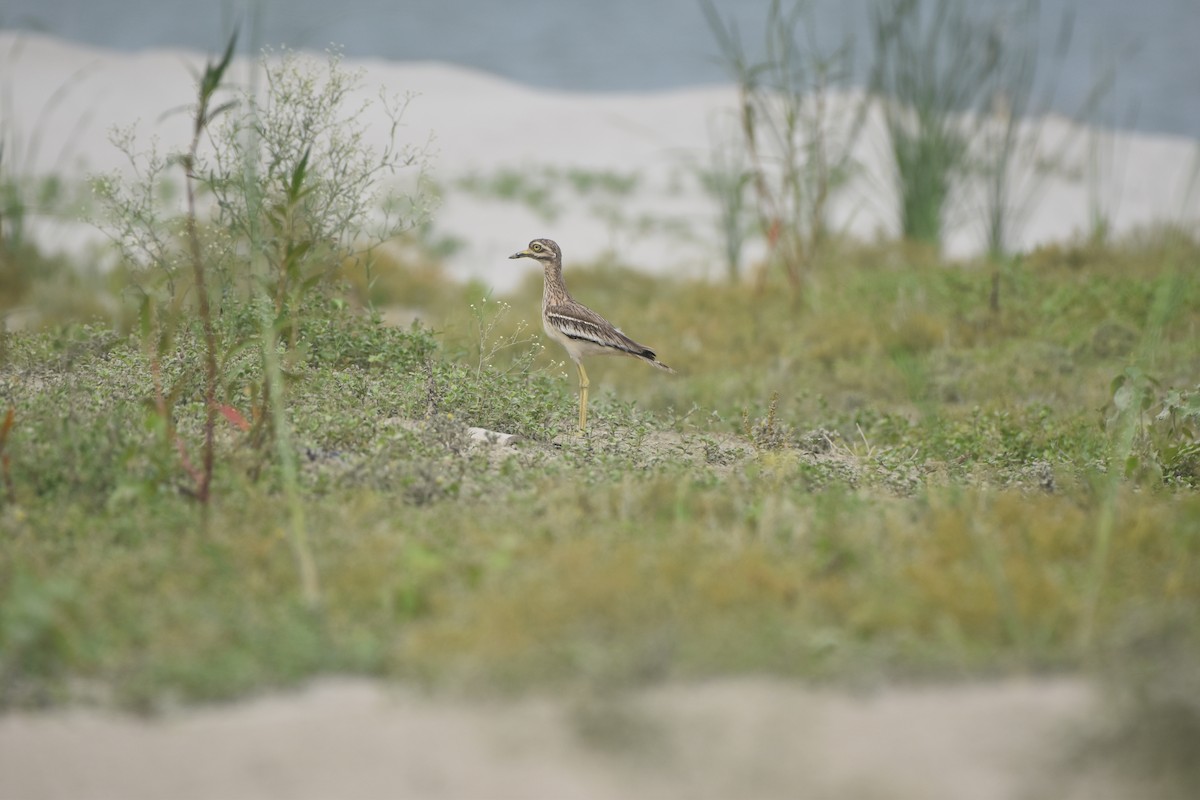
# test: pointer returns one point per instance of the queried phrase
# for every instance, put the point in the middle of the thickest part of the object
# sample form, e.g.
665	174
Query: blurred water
594	45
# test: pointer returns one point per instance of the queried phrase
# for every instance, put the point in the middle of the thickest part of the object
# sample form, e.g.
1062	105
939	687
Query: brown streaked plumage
581	331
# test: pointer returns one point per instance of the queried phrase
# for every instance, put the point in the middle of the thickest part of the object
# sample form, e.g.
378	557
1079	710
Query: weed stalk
10	492
210	81
798	148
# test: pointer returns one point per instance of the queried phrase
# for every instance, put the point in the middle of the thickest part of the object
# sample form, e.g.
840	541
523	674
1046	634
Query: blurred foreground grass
885	478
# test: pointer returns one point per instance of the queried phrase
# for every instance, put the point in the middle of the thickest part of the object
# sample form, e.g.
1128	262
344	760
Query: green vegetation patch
872	513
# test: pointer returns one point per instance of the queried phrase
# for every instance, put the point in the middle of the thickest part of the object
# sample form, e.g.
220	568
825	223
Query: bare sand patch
345	738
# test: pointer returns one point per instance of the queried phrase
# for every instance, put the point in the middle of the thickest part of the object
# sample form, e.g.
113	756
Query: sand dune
64	98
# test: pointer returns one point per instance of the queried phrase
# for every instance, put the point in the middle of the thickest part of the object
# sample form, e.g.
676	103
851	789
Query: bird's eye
537	248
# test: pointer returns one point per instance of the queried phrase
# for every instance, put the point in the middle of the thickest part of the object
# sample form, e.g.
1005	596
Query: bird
581	331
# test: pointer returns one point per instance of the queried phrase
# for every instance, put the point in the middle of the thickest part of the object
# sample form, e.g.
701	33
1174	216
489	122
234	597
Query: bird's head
544	250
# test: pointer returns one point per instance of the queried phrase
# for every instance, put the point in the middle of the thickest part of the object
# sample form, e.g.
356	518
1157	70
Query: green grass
887	480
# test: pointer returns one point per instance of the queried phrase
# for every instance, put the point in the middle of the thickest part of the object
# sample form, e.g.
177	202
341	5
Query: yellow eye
535	247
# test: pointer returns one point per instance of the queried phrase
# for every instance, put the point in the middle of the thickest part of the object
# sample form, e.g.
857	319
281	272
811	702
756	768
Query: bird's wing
580	322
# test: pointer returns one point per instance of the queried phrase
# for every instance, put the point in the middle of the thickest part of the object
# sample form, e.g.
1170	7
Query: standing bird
576	327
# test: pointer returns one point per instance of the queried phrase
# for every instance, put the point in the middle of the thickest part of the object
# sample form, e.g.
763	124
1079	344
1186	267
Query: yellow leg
583	387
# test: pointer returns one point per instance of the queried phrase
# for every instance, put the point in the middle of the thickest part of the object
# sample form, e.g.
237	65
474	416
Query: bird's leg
583	387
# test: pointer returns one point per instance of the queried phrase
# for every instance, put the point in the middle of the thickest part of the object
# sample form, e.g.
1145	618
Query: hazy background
639	45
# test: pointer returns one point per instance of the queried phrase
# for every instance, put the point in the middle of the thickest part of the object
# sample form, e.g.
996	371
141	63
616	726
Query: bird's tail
650	358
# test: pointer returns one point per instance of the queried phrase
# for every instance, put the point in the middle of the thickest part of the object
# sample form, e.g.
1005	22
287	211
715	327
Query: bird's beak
522	254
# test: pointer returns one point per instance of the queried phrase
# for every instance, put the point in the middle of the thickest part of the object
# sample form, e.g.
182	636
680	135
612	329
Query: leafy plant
297	193
295	180
1165	427
767	433
933	66
519	345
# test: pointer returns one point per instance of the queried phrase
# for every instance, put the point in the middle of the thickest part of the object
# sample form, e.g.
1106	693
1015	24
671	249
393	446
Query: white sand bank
746	739
63	98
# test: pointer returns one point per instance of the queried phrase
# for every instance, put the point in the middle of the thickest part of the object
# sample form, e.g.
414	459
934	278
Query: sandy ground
745	739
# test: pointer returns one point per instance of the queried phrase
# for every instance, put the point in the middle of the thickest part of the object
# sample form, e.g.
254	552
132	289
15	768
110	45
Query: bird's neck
554	289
